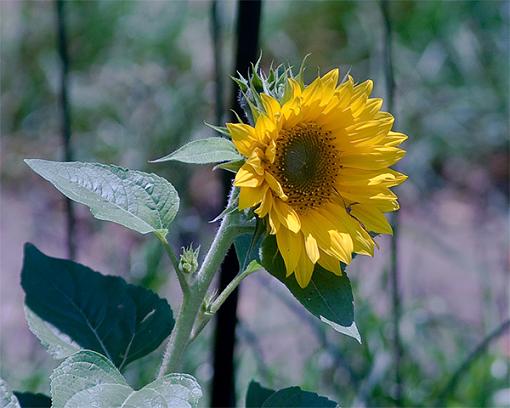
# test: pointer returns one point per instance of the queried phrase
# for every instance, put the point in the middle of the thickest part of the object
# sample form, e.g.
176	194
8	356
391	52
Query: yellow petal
395	138
250	196
360	96
371	108
245	177
265	129
342	244
274	223
330	263
362	241
304	270
331	78
287	215
275	185
385	177
372	218
271	105
369	133
295	87
372	159
266	205
255	161
290	246
331	236
243	137
312	250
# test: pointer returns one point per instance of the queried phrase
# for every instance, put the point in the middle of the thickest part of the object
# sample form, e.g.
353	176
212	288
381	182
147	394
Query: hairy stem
230	288
192	299
222	297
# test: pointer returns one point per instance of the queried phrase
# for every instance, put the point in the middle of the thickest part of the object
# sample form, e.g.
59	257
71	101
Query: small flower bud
189	259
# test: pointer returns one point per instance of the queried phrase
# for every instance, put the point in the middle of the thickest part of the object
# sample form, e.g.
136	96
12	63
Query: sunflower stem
194	297
209	311
229	289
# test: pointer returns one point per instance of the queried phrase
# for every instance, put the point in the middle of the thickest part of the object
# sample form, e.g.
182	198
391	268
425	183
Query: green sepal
204	151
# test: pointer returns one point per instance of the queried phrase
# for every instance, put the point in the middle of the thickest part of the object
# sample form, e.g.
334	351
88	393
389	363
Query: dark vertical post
218	61
65	116
394	265
223	391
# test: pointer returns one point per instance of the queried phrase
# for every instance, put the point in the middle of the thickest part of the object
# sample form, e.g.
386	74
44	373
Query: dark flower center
306	165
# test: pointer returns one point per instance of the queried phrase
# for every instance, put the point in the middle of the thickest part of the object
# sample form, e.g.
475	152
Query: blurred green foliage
142	85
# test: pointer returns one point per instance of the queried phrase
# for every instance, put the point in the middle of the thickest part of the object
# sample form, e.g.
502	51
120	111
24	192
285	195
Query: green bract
204	151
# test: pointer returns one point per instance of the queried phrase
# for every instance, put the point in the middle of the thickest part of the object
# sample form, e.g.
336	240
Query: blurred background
142	83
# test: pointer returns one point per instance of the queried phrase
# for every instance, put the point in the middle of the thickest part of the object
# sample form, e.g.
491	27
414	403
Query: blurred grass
142	84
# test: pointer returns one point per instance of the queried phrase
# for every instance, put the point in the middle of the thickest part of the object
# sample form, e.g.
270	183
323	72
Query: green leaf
88	379
30	400
257	394
220	129
327	296
140	201
247	245
232	166
59	344
204	151
7	398
71	306
292	397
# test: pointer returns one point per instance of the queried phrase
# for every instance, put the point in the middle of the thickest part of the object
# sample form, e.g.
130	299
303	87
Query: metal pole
65	118
223	383
394	265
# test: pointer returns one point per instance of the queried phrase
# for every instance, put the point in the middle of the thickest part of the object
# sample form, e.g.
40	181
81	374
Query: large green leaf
7	398
204	151
58	344
72	306
88	379
140	201
292	397
327	296
257	394
31	400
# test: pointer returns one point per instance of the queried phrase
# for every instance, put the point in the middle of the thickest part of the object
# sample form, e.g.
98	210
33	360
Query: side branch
175	262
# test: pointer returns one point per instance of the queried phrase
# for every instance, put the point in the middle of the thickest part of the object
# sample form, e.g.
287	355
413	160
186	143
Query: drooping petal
304	270
287	216
330	263
372	218
266	205
290	246
312	249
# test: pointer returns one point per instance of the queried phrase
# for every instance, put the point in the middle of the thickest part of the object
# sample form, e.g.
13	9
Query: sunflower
317	171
